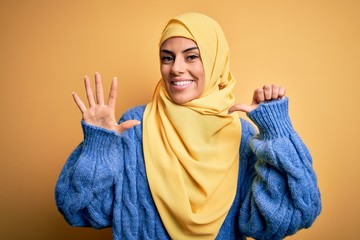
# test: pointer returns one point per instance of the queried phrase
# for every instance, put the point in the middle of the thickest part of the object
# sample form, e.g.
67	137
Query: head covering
192	150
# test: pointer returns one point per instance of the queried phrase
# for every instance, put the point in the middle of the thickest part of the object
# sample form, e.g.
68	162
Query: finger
113	93
89	92
99	89
259	95
79	103
282	93
127	125
267	92
275	91
242	108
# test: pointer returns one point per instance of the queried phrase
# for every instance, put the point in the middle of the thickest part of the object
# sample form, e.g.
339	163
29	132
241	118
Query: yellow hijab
192	150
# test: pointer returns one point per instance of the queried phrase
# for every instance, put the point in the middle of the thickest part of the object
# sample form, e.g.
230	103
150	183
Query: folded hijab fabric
192	150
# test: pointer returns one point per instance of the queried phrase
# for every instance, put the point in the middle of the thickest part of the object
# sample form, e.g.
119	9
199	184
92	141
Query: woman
184	166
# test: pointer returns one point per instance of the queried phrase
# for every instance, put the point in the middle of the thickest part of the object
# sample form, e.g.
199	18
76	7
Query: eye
167	59
192	57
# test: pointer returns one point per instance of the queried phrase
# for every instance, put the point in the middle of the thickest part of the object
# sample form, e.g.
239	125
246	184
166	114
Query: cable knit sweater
104	184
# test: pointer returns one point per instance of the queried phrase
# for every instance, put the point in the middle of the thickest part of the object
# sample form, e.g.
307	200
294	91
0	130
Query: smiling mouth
181	83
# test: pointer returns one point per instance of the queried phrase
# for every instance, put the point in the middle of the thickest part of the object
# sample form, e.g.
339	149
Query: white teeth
181	83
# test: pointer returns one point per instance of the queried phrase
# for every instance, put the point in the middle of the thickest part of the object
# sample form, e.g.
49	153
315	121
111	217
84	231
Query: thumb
242	108
127	125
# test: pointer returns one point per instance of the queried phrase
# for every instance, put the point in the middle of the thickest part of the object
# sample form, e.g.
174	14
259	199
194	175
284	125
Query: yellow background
309	46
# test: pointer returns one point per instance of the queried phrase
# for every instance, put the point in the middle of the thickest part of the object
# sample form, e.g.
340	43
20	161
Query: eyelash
192	57
167	59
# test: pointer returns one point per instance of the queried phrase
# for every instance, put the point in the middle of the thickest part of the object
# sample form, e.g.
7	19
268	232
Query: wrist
272	119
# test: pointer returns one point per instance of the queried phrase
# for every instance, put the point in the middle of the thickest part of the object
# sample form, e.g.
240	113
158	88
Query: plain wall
309	46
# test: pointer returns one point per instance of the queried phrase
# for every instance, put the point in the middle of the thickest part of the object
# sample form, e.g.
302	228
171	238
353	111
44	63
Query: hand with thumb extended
265	94
99	113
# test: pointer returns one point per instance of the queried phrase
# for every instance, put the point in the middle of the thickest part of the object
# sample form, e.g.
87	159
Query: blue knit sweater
104	184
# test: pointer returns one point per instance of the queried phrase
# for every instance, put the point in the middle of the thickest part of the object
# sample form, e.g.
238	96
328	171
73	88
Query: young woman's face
182	69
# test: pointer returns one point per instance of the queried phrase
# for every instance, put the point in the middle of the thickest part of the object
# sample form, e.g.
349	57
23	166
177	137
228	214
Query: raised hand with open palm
99	113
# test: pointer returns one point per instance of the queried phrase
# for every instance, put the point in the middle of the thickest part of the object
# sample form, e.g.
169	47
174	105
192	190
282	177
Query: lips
182	82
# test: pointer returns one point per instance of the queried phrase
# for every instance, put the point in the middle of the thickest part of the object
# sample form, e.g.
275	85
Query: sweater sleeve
84	191
280	189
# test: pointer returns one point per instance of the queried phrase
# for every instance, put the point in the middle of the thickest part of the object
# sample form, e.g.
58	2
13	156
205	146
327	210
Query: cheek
201	75
164	70
201	83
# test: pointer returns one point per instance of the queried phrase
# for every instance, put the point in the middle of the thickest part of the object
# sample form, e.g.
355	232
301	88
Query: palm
101	114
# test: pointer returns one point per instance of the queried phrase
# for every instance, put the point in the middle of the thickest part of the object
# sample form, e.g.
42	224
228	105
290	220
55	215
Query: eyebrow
186	50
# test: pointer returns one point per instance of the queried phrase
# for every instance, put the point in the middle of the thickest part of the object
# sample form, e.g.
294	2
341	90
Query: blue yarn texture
103	183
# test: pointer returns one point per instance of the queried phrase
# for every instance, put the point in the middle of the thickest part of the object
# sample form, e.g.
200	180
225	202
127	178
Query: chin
180	100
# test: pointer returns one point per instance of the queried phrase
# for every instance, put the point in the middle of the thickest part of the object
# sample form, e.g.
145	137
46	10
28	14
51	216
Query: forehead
178	43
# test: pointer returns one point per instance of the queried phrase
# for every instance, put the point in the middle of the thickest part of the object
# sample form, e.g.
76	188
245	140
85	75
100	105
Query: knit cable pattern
104	184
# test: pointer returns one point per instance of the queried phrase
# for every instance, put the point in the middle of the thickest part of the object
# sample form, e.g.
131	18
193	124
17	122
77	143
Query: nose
178	66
